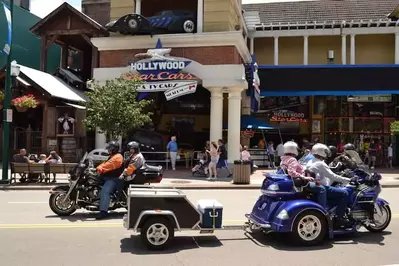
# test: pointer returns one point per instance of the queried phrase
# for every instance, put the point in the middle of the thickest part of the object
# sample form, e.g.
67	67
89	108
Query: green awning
26	46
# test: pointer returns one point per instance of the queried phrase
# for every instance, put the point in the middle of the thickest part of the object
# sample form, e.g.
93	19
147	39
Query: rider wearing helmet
135	161
333	154
109	171
297	173
350	151
327	177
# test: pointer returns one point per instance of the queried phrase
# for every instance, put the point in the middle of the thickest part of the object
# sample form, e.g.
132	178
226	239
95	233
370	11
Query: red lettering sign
248	134
160	76
288	119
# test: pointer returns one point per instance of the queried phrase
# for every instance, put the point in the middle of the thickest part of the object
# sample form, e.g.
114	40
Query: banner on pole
7	46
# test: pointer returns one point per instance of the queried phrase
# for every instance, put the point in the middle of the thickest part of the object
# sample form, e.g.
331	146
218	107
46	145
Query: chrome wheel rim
132	23
380	220
188	26
63	203
157	234
309	227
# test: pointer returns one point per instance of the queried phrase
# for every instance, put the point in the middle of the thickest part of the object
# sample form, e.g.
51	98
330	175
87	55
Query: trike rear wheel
309	229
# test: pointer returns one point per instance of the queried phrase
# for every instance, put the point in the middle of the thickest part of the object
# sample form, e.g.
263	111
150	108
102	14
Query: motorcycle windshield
83	158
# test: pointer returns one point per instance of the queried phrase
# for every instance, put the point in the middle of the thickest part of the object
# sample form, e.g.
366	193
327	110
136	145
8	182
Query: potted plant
23	103
1	99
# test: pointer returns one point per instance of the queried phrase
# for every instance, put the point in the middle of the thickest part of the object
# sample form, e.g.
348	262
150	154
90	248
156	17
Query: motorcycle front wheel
60	206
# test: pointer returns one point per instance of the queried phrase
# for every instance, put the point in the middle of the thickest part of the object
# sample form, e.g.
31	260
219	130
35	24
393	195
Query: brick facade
99	10
204	55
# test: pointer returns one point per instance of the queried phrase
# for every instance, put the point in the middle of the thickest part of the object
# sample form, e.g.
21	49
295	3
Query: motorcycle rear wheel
60	208
310	228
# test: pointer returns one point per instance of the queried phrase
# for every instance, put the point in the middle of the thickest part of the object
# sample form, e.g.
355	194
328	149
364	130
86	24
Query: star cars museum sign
160	72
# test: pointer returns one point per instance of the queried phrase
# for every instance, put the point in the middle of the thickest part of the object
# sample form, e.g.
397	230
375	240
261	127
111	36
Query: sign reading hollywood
160	72
288	116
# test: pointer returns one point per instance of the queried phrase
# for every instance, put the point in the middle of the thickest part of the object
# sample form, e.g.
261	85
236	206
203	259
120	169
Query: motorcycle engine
93	193
360	215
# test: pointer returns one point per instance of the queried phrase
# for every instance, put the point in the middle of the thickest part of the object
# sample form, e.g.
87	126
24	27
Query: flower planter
21	109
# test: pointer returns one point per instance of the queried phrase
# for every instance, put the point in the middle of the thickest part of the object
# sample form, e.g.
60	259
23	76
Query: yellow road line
102	225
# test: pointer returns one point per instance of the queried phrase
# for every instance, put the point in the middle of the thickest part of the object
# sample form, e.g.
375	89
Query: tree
114	109
395	128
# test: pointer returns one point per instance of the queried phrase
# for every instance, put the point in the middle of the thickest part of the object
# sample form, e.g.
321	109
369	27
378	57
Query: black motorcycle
85	185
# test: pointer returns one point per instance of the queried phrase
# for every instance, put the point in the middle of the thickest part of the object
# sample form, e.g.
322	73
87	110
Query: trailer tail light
159	179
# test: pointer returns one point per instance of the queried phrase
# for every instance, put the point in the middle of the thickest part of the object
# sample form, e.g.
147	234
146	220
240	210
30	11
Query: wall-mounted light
15	69
330	56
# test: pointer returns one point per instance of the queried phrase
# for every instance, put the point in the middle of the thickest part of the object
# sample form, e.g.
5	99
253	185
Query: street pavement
183	179
30	234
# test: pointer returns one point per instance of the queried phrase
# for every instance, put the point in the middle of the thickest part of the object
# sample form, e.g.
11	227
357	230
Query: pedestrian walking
172	149
373	154
214	156
280	152
271	152
222	163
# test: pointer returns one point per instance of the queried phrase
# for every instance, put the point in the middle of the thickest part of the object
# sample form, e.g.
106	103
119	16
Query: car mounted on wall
168	21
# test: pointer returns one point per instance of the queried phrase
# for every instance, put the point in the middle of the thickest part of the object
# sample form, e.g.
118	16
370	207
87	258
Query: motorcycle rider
350	151
109	171
297	172
135	161
327	177
333	154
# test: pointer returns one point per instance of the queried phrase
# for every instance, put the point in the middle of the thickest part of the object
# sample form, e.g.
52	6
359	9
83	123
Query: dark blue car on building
169	21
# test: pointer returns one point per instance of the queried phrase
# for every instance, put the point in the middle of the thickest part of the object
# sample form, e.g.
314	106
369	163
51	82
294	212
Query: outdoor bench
24	169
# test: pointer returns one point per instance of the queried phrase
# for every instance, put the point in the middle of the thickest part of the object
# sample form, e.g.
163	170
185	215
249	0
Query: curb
183	187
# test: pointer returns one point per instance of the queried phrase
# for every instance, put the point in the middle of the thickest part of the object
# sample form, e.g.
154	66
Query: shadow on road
133	245
87	216
281	241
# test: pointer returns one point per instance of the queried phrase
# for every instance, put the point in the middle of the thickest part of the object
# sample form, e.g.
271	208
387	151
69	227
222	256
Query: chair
22	169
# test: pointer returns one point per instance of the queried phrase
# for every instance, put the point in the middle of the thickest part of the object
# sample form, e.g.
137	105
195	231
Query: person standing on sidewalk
390	155
222	163
172	149
373	154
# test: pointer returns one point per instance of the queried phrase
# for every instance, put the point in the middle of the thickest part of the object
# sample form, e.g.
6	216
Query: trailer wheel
157	232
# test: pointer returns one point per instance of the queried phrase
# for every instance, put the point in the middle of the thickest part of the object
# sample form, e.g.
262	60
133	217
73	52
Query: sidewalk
182	179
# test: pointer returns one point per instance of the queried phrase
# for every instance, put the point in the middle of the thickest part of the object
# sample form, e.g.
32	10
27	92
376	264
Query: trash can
242	172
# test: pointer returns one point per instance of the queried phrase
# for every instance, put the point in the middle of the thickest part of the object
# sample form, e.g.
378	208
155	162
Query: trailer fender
144	215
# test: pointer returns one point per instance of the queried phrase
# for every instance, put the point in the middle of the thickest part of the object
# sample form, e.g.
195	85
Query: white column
305	50
343	50
216	116
251	45
396	47
200	16
101	139
234	125
120	143
275	51
353	49
138	7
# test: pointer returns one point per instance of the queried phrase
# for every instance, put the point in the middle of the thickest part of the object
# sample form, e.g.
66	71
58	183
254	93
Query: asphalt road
31	235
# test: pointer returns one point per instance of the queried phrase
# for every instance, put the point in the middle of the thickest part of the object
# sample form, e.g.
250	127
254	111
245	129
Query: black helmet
112	147
349	147
333	151
133	145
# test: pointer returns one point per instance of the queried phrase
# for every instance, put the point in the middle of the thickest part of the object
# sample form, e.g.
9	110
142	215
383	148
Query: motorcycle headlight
273	187
283	215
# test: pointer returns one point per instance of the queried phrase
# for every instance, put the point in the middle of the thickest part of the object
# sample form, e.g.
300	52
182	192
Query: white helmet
321	150
291	147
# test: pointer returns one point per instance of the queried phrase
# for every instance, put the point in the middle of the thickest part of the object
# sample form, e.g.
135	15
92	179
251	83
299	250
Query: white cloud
42	8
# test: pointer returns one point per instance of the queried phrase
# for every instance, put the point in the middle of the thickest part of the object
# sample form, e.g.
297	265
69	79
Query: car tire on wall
309	229
133	24
188	26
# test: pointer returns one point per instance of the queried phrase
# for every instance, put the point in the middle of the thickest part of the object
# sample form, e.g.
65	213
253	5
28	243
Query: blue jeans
340	197
320	191
110	186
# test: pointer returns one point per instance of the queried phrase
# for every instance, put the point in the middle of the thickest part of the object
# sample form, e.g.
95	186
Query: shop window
332	124
368	125
152	7
333	108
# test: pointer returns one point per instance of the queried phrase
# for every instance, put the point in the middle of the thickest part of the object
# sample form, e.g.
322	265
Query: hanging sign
288	116
7	46
162	76
187	88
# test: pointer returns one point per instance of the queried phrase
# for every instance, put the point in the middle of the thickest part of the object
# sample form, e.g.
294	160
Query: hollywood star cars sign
160	72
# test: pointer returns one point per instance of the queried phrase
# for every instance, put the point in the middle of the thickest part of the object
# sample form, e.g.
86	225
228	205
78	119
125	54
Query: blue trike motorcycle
286	208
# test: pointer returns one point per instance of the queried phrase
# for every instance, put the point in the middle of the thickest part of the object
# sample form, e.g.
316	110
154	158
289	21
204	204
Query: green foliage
113	107
395	127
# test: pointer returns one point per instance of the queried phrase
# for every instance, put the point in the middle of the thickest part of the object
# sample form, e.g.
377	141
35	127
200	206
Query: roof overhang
209	39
